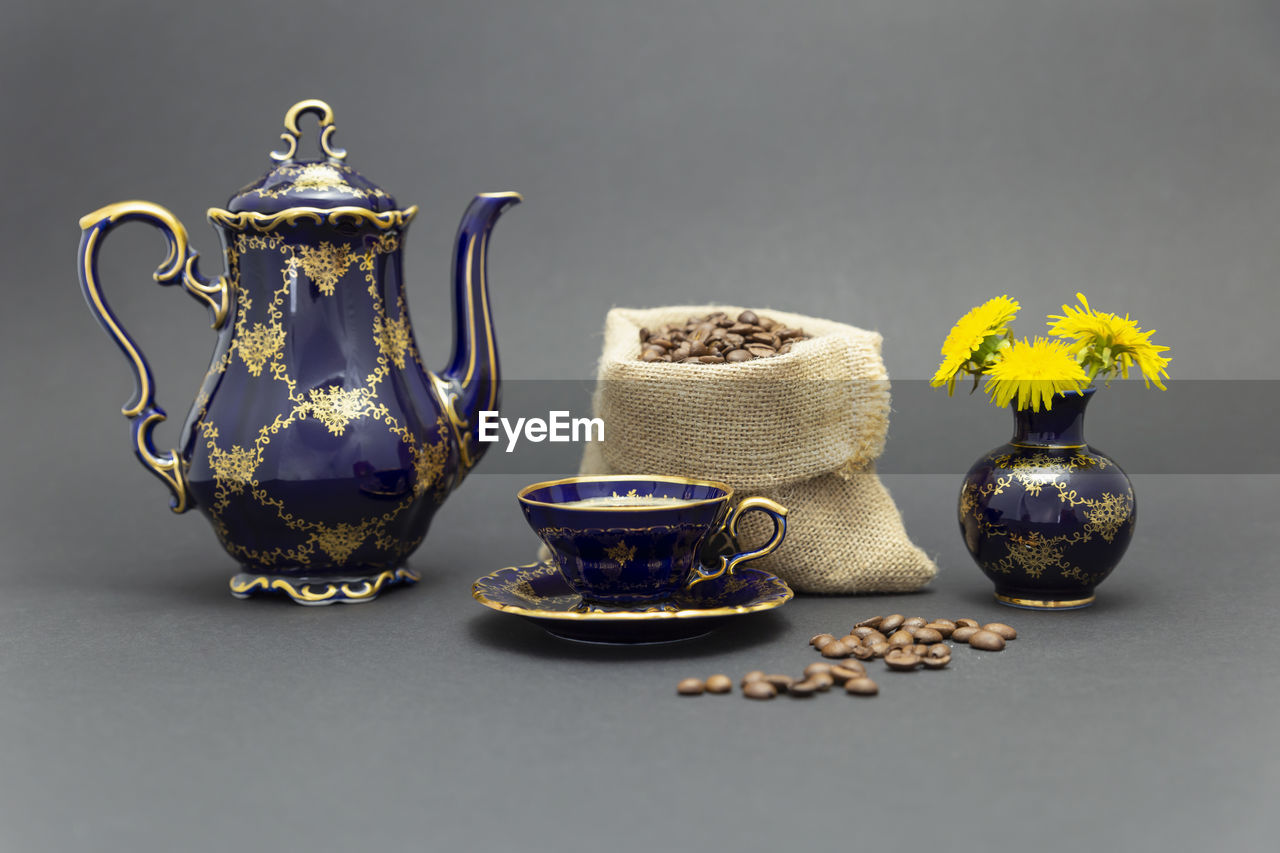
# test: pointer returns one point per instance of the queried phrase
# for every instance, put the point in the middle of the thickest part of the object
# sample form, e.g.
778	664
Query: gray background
884	163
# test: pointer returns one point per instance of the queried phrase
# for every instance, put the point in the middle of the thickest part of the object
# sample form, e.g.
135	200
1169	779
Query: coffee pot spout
469	385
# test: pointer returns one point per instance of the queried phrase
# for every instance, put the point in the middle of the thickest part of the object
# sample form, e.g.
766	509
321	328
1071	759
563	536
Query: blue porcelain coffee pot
318	446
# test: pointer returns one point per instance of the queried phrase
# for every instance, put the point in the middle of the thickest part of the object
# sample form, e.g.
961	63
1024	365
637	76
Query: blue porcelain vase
1046	516
318	446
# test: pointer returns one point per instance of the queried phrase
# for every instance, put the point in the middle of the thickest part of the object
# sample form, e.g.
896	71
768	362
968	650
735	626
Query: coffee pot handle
774	510
179	266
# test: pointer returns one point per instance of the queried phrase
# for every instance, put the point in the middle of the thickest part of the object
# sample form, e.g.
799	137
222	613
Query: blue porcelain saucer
539	593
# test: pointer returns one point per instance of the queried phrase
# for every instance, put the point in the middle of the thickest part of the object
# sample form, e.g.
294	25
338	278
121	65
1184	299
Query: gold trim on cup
604	478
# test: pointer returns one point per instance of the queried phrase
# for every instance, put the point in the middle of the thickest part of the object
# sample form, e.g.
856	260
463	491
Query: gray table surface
145	709
878	162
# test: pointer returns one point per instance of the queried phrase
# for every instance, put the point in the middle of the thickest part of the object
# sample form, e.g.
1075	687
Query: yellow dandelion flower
1031	373
1109	344
973	340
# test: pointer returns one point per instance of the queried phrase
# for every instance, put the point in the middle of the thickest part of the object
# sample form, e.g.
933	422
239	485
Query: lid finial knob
325	113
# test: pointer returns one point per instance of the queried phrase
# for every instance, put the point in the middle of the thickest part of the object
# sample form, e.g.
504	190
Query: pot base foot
1045	604
319	591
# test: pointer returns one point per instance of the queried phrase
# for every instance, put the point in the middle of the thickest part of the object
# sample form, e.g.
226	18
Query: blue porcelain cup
630	540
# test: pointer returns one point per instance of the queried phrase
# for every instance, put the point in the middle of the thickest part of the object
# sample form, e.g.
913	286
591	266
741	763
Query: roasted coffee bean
891	623
942	626
862	653
919	649
781	683
804	689
902	660
850	640
928	635
1005	631
935	663
759	690
836	649
863	630
938	650
717	335
861	687
753	675
849	669
876	622
873	638
824	680
963	633
899	639
914	622
817	666
879	650
690	687
968	623
820	640
719	683
988	641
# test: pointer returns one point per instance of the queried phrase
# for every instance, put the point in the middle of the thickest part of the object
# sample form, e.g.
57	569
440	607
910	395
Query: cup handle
775	510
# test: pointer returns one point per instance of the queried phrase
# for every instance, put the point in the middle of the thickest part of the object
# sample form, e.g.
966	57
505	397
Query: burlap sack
803	428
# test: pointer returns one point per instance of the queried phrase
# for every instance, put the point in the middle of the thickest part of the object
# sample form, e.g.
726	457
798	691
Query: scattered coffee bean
928	635
753	675
717	339
863	653
988	641
861	687
938	650
1002	629
836	649
876	622
900	639
879	650
719	683
935	663
824	680
844	672
902	660
816	666
968	623
759	690
820	640
942	626
804	689
963	633
690	687
891	623
919	649
781	683
914	622
862	631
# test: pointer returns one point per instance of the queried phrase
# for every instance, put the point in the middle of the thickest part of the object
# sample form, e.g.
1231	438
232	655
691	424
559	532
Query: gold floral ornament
1030	374
337	407
975	341
621	553
325	264
392	338
233	469
1107	344
259	345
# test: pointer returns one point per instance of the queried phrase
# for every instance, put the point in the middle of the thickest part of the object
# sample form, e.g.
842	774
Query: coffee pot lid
323	183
